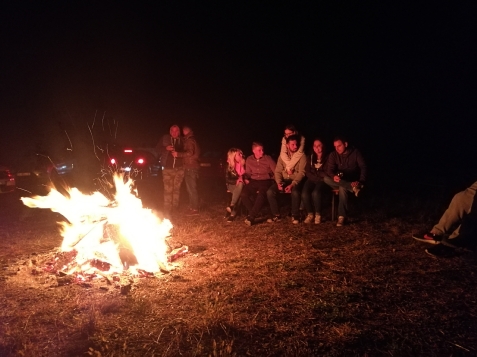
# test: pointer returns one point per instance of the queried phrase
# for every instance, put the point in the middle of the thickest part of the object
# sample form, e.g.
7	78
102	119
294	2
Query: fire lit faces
288	132
175	131
257	151
292	146
318	147
340	146
238	156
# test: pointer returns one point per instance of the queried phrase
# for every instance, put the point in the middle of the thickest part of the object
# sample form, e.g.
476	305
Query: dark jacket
167	160
231	176
191	152
350	163
314	170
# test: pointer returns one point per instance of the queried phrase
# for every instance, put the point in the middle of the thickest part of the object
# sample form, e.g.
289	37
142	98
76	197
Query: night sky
398	80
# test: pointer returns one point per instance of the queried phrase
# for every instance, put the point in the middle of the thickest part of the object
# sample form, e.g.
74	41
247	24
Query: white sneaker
317	219
309	218
340	222
295	220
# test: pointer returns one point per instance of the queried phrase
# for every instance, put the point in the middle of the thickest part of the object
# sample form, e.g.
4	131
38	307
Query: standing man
345	170
259	173
173	170
190	157
288	182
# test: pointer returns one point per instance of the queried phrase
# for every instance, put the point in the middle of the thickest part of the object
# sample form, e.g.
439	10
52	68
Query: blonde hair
231	158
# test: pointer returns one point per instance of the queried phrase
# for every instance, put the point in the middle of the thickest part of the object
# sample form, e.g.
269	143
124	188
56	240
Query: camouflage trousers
172	179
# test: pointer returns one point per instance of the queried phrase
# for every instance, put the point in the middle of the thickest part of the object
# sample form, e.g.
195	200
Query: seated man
460	215
288	182
259	171
345	170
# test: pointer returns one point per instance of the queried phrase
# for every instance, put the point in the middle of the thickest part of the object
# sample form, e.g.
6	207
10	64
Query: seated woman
312	190
234	179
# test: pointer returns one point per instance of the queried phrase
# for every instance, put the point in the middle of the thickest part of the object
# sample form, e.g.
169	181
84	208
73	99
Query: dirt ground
365	289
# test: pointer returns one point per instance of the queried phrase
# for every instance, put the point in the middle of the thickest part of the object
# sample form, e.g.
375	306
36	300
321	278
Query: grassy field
366	289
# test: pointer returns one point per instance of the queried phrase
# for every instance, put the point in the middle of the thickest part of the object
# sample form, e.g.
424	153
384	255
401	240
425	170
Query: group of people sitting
259	179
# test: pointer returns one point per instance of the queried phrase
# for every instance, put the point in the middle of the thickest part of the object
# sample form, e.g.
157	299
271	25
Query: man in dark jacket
190	156
346	170
173	169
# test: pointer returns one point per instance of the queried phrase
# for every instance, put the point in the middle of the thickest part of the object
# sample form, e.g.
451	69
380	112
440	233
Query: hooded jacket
350	163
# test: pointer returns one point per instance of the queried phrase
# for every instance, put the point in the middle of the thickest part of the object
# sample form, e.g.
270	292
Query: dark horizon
398	81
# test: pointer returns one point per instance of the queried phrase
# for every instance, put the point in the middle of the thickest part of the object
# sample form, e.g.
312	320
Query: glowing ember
108	236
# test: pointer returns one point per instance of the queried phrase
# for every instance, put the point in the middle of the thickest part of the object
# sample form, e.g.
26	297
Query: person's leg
316	195
237	191
177	181
460	205
272	199
262	189
191	176
167	179
247	191
295	201
306	196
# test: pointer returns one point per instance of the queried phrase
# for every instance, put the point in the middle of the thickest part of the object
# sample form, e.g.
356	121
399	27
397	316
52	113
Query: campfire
104	238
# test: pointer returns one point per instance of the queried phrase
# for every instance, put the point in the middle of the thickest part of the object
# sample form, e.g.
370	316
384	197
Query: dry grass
365	289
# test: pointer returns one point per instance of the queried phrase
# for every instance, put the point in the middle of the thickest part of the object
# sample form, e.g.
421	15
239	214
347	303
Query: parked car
136	163
212	165
7	180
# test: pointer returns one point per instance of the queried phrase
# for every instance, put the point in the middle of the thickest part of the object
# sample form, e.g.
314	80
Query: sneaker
249	221
274	219
309	218
192	212
317	219
442	251
295	220
230	218
428	238
340	222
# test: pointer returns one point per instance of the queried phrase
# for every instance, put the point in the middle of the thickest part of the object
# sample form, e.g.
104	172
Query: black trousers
256	188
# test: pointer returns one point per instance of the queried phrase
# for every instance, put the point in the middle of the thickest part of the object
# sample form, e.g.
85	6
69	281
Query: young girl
234	178
312	190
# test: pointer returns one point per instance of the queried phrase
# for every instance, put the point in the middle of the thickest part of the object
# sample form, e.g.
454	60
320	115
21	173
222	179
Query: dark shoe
249	221
442	251
274	219
230	218
428	238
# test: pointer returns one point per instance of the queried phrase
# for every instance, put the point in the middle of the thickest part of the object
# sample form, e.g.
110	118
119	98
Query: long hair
231	158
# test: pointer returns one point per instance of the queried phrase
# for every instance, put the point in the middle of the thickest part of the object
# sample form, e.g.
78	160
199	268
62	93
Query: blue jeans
344	189
191	176
295	199
312	191
236	191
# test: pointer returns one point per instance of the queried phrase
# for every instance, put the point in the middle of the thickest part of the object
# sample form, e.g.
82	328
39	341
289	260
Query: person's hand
170	148
174	153
336	178
246	181
355	183
280	186
288	189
